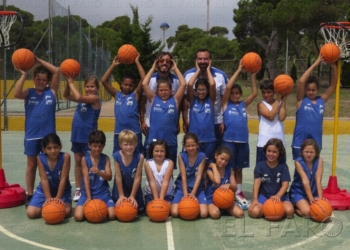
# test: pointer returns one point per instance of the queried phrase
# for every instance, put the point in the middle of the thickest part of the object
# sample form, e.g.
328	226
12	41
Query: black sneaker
28	199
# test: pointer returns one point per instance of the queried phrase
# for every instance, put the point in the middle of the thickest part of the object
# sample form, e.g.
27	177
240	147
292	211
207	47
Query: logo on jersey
278	180
118	102
129	101
47	97
133	173
48	102
101	178
32	102
265	178
83	108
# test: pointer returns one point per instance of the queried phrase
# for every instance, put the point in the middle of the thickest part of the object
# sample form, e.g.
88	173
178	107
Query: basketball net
6	22
339	34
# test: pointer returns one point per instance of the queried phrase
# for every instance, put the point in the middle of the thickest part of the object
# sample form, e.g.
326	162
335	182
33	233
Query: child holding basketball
84	121
236	134
190	181
306	187
202	111
126	108
310	107
164	109
272	113
54	167
40	108
271	180
221	176
97	172
128	172
159	172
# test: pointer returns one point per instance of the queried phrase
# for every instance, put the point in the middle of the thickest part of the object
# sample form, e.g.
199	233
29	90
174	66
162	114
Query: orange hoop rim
332	26
7	13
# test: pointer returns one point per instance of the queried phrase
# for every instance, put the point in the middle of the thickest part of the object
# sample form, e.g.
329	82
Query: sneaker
77	194
28	199
240	199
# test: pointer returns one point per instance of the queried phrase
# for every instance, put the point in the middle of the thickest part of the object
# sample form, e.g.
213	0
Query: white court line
169	234
9	234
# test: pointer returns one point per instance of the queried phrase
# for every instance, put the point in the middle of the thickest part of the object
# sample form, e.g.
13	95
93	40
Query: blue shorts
260	156
208	148
33	147
240	154
262	198
107	198
295	198
149	198
39	198
139	147
200	195
78	147
138	197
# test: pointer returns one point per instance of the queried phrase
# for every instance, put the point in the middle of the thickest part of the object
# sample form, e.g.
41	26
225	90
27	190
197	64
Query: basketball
330	52
320	210
283	84
158	210
188	209
70	67
53	212
127	54
251	62
273	210
223	199
126	212
23	59
95	210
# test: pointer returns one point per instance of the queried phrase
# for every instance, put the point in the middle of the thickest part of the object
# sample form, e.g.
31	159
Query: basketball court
18	232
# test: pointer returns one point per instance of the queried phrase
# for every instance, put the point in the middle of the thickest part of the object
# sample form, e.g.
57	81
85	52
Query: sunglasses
164	61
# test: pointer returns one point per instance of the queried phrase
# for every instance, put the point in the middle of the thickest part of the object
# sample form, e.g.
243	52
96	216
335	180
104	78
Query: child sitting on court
128	171
54	168
97	172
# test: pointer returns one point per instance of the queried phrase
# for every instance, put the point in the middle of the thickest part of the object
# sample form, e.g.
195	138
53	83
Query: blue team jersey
211	187
236	123
191	172
84	121
126	111
54	175
98	185
39	114
202	120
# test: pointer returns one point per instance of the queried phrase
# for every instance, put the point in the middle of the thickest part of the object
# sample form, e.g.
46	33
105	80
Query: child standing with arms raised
190	181
271	180
221	176
126	106
306	187
54	167
202	111
40	108
236	134
310	108
84	121
96	174
128	172
159	172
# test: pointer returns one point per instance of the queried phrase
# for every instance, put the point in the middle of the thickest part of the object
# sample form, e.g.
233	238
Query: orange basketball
320	210
283	84
251	62
223	199
95	210
70	67
273	210
53	212
126	212
158	210
127	54
188	209
330	52
23	59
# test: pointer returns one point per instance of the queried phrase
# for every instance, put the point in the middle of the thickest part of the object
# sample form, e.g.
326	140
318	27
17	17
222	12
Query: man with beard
164	65
203	60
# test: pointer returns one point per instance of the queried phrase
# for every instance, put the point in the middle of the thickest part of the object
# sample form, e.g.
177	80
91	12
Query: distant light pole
164	26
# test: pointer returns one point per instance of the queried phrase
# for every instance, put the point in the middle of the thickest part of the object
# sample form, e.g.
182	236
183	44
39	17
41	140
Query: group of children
202	167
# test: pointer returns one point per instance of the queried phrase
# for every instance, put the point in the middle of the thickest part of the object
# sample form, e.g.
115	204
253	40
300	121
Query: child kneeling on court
306	187
54	167
220	176
128	172
97	172
271	180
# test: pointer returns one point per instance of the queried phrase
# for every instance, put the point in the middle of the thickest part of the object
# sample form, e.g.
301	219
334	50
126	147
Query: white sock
239	188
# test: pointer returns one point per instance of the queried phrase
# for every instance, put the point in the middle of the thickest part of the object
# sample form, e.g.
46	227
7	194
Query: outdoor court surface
18	232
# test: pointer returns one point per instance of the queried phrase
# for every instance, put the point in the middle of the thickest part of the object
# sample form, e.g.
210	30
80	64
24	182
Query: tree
218	31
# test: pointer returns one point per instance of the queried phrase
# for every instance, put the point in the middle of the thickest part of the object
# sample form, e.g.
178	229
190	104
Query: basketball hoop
7	18
337	33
